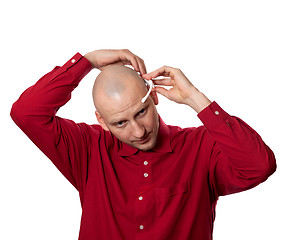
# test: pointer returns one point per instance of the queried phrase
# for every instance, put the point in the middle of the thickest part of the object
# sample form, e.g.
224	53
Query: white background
230	50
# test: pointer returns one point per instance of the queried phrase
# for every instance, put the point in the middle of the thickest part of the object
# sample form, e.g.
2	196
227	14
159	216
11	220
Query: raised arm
238	157
63	141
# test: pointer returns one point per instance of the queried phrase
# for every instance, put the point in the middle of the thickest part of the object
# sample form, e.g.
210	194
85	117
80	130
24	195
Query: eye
120	124
142	112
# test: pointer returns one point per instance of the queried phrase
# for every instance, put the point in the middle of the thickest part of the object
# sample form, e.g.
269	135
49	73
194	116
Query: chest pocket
171	200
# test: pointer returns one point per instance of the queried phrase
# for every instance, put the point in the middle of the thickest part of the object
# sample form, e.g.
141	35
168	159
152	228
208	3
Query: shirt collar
163	142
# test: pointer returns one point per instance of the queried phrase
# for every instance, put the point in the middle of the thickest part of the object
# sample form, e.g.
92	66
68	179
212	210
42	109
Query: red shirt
169	192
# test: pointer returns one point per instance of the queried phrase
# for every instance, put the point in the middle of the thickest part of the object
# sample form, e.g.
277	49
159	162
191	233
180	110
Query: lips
143	140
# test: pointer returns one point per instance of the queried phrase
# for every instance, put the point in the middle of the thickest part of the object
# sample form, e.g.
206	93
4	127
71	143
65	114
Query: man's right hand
102	58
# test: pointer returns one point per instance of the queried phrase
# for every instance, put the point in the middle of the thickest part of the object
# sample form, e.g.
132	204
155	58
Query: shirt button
73	60
141	227
216	112
145	163
146	174
140	198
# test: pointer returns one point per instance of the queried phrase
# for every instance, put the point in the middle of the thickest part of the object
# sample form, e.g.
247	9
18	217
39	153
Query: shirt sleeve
61	140
239	159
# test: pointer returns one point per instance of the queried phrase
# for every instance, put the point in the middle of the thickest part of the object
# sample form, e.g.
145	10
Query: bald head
115	83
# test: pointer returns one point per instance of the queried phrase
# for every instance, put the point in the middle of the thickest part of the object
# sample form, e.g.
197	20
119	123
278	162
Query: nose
138	130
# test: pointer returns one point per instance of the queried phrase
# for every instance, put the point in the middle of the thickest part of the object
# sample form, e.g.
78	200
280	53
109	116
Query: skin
118	91
182	91
117	95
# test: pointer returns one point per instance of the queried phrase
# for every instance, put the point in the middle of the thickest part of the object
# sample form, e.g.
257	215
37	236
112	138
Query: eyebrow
144	106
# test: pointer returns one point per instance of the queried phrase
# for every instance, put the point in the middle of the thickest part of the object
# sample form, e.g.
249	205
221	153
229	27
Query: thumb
162	91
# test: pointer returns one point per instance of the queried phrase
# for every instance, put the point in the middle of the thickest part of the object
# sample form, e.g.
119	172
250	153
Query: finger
164	82
134	64
141	65
162	91
138	65
126	62
164	71
129	58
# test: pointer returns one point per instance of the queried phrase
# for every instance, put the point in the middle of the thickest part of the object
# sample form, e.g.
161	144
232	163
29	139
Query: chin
143	148
147	146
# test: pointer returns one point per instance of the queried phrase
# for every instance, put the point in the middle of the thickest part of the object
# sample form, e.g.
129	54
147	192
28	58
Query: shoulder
189	135
97	133
177	131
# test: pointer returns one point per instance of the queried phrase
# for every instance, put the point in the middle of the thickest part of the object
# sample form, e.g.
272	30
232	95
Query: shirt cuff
213	116
78	65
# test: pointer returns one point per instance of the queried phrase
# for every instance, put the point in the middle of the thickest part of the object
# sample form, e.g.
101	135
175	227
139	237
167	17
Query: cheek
154	118
121	134
151	122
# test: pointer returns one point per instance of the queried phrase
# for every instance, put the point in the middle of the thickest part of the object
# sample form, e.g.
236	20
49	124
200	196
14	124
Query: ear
154	96
101	121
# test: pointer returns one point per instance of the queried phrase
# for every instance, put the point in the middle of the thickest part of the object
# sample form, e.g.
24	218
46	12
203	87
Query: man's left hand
182	90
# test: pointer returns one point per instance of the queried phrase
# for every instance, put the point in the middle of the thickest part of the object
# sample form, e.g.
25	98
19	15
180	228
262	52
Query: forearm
61	140
197	100
52	91
239	159
237	140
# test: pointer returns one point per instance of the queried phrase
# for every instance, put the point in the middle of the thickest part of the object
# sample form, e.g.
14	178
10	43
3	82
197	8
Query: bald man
117	95
137	177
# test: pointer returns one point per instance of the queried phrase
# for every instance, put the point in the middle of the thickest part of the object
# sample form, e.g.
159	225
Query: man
137	177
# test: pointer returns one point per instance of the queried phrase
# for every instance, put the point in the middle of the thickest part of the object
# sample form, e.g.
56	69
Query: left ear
154	96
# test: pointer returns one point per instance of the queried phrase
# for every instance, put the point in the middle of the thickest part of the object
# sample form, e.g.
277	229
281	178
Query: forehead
121	109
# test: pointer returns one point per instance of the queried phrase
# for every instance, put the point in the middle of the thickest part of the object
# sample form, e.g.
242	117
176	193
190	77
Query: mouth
144	140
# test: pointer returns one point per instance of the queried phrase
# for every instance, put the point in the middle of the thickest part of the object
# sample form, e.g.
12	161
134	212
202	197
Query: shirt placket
145	202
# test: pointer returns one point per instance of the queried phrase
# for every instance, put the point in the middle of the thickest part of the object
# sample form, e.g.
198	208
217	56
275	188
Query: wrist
89	57
197	100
